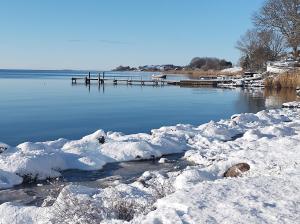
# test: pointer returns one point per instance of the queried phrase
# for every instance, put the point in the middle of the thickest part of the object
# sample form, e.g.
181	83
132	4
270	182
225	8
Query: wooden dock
115	79
139	80
213	83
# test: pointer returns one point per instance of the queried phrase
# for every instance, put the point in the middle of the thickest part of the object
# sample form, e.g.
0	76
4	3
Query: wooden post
99	79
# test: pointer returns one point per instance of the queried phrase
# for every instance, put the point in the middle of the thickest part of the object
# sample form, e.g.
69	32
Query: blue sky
102	34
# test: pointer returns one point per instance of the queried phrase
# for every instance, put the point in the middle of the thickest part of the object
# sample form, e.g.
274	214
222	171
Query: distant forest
206	63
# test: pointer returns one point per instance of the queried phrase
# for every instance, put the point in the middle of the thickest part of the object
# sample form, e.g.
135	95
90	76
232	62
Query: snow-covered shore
268	141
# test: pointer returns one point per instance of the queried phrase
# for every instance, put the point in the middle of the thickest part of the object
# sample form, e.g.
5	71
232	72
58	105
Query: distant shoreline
191	73
202	73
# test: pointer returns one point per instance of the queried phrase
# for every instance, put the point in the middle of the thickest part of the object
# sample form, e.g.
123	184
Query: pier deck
136	80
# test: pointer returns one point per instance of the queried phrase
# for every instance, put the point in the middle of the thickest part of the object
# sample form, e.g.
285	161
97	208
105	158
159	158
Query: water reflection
41	109
255	99
276	97
252	99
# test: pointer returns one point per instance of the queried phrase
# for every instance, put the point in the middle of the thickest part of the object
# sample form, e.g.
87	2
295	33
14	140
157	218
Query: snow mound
42	160
267	141
295	104
232	70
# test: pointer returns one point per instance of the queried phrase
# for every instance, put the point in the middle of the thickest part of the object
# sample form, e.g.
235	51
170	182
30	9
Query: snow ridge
268	193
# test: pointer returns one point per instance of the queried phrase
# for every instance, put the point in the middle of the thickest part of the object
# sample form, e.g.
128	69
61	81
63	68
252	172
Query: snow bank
268	193
42	160
295	104
232	70
245	200
280	66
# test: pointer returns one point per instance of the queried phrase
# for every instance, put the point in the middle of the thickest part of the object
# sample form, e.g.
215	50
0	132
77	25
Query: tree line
276	31
207	63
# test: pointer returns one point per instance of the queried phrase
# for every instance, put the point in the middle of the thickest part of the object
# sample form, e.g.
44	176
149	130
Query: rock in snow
294	104
268	142
3	147
237	170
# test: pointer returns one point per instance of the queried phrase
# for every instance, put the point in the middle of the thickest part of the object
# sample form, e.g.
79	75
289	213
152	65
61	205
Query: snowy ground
268	141
232	70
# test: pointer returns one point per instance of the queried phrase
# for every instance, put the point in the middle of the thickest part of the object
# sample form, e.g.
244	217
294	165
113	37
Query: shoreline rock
237	170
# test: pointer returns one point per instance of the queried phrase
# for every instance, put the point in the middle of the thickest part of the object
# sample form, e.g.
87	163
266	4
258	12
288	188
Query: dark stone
29	178
153	158
237	170
143	182
101	140
2	149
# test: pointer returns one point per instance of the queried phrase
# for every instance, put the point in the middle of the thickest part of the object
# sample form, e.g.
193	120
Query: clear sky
102	34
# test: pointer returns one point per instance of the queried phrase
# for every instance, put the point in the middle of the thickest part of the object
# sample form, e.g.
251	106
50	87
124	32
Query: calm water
44	105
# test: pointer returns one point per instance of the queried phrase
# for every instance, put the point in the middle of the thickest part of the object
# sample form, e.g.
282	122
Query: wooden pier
213	83
138	80
115	79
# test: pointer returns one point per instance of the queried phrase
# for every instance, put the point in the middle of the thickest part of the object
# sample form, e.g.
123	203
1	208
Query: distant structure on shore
150	68
282	65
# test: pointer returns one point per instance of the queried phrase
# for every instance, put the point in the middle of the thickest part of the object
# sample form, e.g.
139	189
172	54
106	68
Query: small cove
44	105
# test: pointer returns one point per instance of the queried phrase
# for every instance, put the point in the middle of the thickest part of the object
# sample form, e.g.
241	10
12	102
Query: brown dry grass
289	79
196	74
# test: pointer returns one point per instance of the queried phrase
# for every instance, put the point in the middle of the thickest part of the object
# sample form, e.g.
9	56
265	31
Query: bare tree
282	16
258	47
274	42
